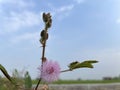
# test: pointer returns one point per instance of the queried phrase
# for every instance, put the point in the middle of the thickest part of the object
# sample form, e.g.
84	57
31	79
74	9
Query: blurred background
81	30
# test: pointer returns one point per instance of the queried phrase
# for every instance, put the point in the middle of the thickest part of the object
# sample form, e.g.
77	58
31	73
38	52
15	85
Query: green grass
82	81
85	81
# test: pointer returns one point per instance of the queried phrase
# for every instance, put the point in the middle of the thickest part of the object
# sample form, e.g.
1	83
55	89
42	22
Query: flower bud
41	41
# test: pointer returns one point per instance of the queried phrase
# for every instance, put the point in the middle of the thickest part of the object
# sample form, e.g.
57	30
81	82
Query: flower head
50	71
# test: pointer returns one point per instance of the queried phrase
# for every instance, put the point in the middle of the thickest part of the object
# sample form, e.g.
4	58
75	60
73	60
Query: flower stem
43	60
48	17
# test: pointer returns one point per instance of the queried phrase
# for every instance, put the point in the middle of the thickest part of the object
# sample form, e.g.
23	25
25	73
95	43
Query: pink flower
50	71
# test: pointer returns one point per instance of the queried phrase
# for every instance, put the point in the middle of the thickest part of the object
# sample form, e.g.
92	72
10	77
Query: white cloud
16	21
17	3
62	11
17	16
2	1
79	1
65	8
24	37
118	20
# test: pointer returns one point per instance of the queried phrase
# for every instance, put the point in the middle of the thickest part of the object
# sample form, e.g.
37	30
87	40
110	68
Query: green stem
66	70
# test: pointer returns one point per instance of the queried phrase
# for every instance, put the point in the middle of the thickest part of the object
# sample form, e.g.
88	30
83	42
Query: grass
85	81
82	81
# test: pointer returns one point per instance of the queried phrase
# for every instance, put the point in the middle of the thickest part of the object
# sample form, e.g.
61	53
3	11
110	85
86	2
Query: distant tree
28	81
79	79
107	78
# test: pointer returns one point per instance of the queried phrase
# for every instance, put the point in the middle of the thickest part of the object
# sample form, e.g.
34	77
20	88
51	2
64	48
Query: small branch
38	84
66	70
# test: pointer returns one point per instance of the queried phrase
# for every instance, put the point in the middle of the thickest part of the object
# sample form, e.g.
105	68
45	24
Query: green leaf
4	71
91	61
85	64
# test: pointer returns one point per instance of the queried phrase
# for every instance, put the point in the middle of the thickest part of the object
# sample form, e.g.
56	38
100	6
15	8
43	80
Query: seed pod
50	20
46	36
48	25
48	15
41	41
42	33
45	17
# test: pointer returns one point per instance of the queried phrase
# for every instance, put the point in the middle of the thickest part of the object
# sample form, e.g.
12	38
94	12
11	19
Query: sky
81	30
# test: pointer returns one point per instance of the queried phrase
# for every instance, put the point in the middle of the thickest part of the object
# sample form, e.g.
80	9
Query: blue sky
81	30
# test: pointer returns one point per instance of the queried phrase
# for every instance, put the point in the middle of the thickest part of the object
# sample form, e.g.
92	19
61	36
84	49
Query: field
85	85
82	81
